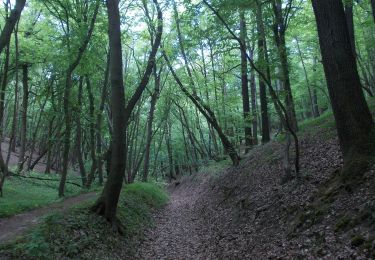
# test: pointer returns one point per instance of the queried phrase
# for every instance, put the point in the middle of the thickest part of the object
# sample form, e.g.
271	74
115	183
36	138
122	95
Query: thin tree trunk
254	107
245	85
279	30
208	114
262	86
99	122
307	79
25	100
78	140
154	98
91	176
67	90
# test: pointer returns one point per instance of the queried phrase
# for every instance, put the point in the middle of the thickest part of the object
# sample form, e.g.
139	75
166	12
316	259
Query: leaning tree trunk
208	114
11	23
355	126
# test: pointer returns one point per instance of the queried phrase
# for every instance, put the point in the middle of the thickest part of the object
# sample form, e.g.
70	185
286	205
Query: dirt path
14	226
177	233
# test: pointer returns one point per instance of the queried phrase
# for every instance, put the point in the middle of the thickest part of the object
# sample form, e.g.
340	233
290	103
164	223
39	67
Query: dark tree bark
154	98
25	100
373	8
106	205
78	140
168	140
11	23
254	103
91	175
263	63
4	83
350	23
67	90
355	126
245	85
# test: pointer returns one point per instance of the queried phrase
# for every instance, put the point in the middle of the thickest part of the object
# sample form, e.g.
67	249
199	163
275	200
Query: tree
67	92
11	23
263	63
355	126
245	85
279	31
106	205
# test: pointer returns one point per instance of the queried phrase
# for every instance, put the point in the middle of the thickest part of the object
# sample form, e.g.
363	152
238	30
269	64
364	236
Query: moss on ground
22	194
80	233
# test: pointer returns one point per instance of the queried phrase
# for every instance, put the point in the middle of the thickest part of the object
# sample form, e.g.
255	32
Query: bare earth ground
14	226
177	230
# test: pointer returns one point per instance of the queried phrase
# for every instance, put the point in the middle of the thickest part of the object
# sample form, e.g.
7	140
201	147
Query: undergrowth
80	233
21	194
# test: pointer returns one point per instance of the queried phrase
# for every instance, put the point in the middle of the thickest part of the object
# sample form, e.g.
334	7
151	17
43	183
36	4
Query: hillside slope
246	212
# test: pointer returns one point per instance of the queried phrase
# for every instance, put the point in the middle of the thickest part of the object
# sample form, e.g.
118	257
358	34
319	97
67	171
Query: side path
14	226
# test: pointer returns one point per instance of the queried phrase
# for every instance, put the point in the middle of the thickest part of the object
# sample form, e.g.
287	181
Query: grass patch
21	194
81	234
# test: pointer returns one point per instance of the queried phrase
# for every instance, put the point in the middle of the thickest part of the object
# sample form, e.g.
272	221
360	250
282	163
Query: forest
187	129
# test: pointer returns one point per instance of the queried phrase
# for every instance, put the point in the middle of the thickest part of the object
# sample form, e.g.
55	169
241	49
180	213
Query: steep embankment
247	213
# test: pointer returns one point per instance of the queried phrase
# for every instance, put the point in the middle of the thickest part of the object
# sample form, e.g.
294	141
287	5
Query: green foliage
80	232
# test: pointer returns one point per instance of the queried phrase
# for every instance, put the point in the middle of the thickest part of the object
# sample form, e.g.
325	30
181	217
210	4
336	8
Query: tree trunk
355	126
67	90
262	86
350	23
245	85
99	122
106	205
208	114
91	176
25	100
11	22
307	80
279	30
154	98
78	140
254	105
373	8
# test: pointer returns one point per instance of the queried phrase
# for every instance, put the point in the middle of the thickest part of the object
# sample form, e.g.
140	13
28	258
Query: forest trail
177	230
14	226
